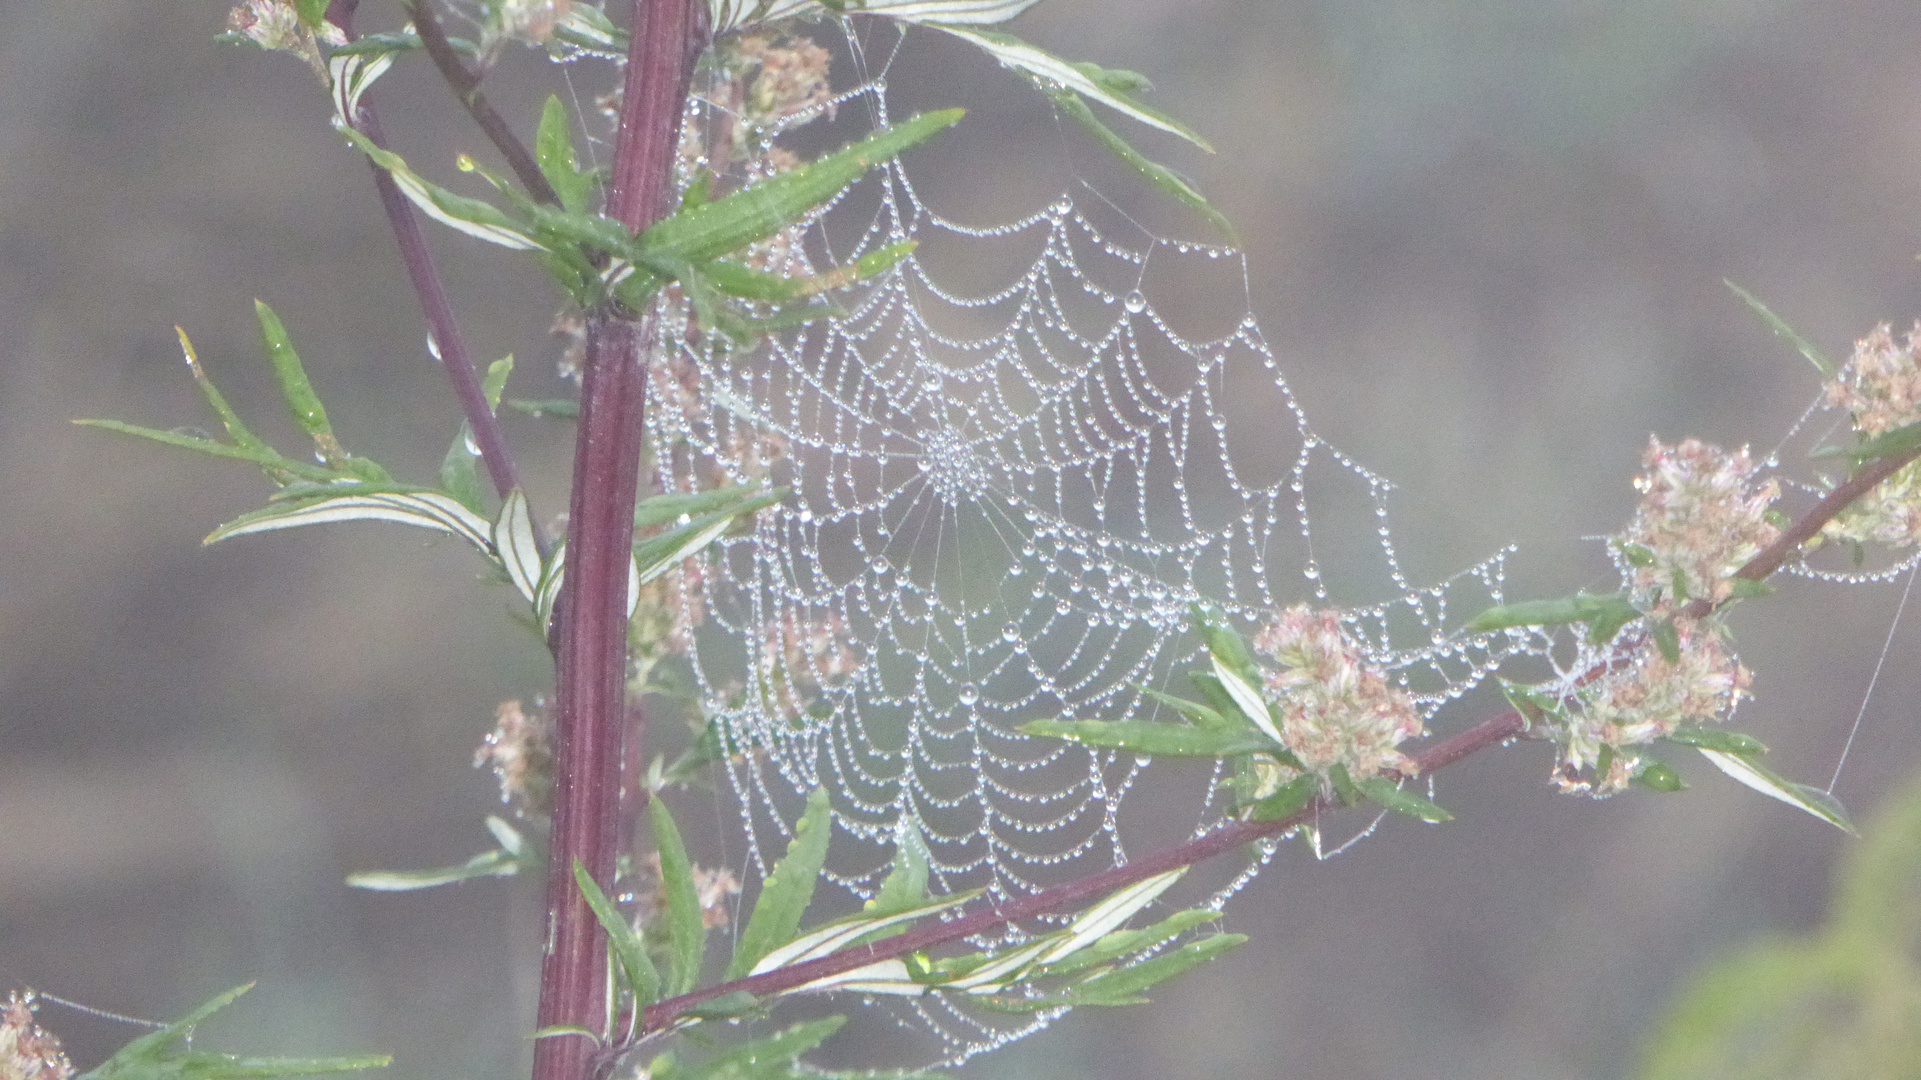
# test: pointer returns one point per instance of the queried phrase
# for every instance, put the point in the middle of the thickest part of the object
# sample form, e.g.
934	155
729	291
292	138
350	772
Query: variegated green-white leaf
1087	80
1249	699
1101	919
785	893
841	933
515	545
547	593
471	216
889	977
1769	783
485	864
734	14
426	509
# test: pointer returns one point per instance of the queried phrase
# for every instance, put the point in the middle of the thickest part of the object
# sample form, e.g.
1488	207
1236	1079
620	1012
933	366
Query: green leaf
1635	554
1659	775
658	554
733	14
844	933
905	887
391	41
772	1058
1605	615
1901	440
236	430
785	893
1193	710
732	1003
686	932
637	968
1783	330
1287	800
720	228
1768	782
1124	985
1728	742
268	459
153	1056
1108	915
1123	943
1741	588
458	475
554	151
312	12
1156	737
1112	89
486	864
495	382
426	509
1153	171
749	284
1345	789
1401	801
474	217
302	403
1668	640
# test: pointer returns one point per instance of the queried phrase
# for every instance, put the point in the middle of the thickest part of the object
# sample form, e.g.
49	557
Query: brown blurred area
1487	240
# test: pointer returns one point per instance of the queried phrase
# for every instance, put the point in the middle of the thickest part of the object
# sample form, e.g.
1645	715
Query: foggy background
1487	240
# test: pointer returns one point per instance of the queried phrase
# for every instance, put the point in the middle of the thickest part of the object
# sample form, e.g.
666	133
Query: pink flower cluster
1649	698
28	1052
1700	519
1334	707
1881	389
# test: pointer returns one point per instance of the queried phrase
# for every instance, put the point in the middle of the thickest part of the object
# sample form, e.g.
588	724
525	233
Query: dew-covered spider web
1007	494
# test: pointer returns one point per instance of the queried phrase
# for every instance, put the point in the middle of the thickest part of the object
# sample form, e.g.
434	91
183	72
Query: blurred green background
1486	237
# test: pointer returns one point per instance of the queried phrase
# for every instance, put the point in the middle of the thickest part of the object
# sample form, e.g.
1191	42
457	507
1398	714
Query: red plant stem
590	635
418	259
1494	731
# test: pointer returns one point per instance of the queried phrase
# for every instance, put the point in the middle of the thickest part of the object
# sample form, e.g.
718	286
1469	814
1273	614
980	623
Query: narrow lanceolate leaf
1287	800
265	458
471	216
1401	801
554	573
890	977
1193	710
486	864
1108	915
1727	742
733	14
1249	700
554	151
735	279
1783	330
906	884
686	933
1162	177
1887	444
514	542
237	430
720	228
639	974
1150	737
495	382
1769	783
302	402
772	1058
842	933
785	894
666	509
1123	986
154	1056
658	554
1124	943
426	509
1614	610
1111	88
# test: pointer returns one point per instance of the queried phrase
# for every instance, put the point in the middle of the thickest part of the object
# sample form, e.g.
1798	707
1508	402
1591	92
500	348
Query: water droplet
1063	607
1010	632
931	384
969	693
472	444
804	514
1135	302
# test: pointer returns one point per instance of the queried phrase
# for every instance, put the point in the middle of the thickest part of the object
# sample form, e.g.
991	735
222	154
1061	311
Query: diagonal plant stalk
466	87
590	634
1496	730
432	294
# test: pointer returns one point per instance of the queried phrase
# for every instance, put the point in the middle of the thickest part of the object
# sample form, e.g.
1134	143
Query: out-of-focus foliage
1841	1003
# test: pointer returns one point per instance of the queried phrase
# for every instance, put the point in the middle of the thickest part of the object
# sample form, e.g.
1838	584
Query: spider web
1005	502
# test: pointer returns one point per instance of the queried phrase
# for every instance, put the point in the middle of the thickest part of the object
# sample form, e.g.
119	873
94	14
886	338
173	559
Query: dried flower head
1889	514
1880	385
712	887
1335	708
520	751
27	1051
779	75
530	21
1701	517
1647	698
275	25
